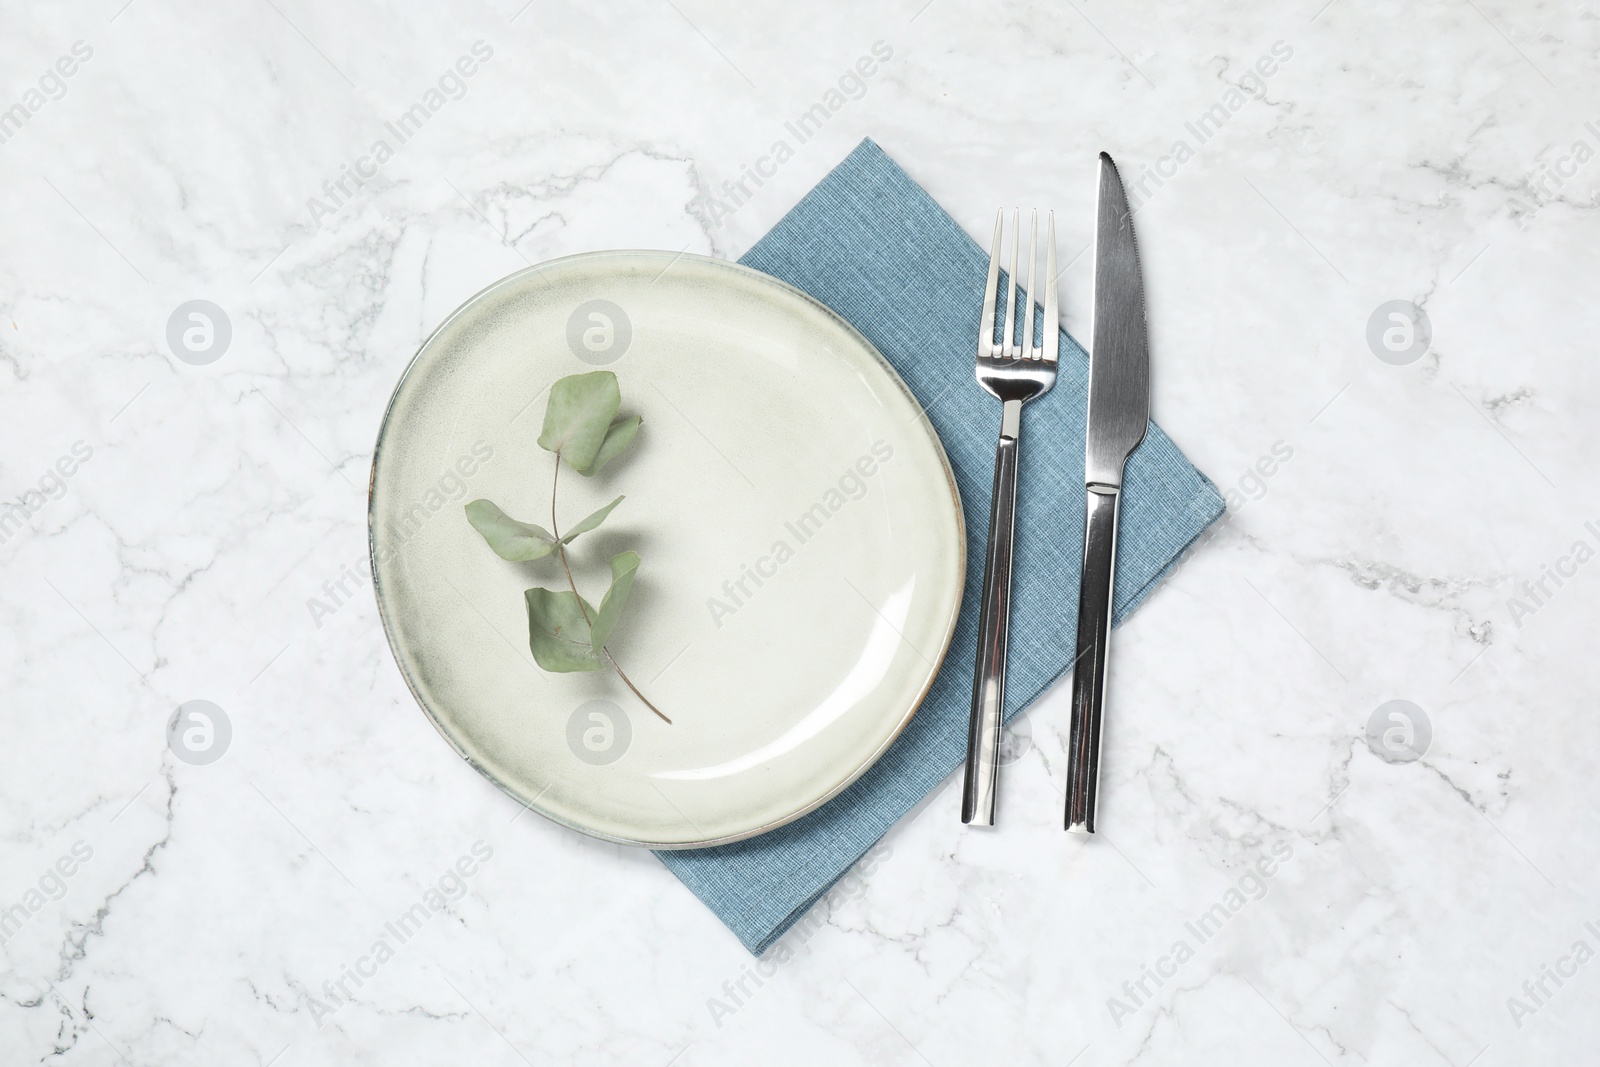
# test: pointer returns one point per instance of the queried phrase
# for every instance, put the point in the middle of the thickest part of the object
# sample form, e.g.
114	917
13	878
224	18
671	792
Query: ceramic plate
798	524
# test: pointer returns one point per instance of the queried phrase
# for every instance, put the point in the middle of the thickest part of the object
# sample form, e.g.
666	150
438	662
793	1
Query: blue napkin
872	245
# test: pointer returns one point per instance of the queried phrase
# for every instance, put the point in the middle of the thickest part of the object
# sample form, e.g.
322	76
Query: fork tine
1052	311
1010	336
986	327
1027	304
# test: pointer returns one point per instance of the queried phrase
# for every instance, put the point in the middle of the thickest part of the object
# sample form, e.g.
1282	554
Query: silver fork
1014	373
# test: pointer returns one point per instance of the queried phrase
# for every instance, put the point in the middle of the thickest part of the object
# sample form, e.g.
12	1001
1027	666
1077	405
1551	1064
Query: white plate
800	531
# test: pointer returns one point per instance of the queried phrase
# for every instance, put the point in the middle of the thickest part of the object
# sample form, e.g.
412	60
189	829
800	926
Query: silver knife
1119	411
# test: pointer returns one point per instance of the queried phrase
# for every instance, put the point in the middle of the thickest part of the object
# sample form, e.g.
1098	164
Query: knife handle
1089	666
979	787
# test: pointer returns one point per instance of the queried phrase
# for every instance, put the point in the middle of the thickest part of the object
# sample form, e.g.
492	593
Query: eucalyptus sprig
565	632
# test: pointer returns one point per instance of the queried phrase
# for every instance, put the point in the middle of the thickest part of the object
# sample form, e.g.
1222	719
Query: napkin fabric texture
872	245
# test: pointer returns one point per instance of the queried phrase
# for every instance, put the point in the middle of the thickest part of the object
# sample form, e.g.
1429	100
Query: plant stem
629	683
561	551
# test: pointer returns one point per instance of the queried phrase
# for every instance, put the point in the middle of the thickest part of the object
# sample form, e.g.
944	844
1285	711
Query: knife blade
1119	412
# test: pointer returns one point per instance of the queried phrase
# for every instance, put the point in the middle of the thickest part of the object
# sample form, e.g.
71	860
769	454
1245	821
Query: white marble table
1417	537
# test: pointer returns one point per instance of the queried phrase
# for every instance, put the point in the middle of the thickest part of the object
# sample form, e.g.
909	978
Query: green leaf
590	523
510	539
579	415
618	437
623	567
558	631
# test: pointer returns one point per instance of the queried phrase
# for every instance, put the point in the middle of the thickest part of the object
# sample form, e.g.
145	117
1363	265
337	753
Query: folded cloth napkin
872	245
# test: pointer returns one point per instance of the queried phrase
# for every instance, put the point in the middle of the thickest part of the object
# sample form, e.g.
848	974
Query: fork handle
1089	667
989	679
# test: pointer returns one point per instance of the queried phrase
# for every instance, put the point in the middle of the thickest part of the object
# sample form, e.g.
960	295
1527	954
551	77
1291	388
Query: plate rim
915	705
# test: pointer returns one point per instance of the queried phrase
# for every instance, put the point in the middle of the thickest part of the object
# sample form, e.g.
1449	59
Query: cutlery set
1015	370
